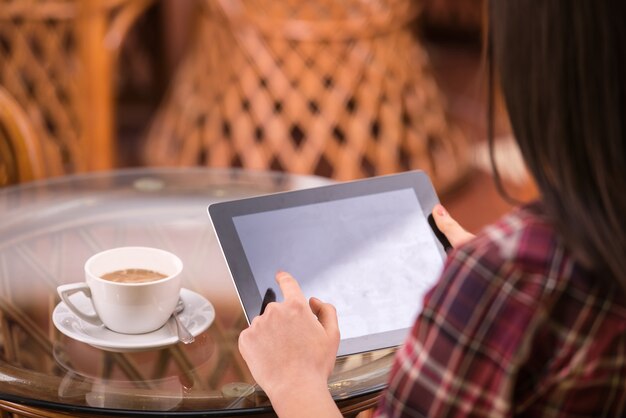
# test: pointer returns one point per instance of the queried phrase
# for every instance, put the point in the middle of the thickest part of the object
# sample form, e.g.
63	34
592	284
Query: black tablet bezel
222	214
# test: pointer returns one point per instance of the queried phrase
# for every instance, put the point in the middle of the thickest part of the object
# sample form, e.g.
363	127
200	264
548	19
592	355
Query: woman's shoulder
518	258
524	237
520	254
525	245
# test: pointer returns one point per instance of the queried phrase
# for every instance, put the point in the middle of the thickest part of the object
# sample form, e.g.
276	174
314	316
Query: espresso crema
133	276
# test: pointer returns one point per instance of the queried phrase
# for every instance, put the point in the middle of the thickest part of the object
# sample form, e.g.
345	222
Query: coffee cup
133	290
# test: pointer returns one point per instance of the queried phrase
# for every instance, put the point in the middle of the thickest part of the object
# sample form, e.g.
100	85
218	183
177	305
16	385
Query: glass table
47	231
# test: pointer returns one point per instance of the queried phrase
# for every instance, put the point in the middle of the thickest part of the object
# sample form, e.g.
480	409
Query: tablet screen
369	247
372	256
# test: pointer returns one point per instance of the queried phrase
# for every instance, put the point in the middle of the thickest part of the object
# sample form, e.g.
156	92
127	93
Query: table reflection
49	229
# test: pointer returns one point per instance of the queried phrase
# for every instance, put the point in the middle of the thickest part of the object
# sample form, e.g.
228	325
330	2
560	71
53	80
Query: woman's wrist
304	400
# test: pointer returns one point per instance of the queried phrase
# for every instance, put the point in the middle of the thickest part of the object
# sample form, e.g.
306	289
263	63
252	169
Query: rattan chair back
22	156
56	60
339	89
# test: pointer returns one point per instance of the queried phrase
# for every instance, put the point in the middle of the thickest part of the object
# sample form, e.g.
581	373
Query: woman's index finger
289	286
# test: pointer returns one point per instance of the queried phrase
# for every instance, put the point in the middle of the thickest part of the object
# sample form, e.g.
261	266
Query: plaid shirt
514	328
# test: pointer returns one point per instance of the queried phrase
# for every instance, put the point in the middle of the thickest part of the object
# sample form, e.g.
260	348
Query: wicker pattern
22	157
39	66
340	89
56	60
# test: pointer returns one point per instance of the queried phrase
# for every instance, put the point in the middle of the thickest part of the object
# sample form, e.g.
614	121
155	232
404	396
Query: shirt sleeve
460	357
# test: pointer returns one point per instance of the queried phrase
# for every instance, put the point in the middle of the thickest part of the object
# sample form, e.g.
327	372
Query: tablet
366	246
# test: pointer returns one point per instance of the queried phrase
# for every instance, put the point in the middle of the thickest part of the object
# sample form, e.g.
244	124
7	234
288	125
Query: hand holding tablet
364	246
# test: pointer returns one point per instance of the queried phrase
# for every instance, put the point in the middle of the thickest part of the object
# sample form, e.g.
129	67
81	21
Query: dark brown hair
562	68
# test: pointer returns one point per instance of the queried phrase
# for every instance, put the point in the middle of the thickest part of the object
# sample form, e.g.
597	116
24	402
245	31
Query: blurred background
342	89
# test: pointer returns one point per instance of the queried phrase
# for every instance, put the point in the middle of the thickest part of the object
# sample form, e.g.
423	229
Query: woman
528	318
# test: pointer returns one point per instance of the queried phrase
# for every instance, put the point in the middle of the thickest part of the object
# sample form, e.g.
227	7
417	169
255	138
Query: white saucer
197	317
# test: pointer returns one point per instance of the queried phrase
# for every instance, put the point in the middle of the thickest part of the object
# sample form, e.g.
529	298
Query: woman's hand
291	350
450	228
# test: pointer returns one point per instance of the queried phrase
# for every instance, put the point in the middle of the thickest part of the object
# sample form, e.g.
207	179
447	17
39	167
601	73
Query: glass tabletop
49	229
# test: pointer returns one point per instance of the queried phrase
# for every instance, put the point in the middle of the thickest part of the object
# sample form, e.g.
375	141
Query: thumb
327	315
455	233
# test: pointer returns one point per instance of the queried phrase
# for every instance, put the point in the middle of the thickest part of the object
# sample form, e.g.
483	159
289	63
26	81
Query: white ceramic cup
129	308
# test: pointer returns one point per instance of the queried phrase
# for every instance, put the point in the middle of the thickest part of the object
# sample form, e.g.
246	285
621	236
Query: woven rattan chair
57	59
340	89
22	156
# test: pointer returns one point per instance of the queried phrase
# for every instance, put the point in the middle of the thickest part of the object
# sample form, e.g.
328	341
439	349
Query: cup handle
67	290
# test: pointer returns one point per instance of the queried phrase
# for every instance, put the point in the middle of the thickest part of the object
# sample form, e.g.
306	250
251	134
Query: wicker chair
57	59
22	156
340	89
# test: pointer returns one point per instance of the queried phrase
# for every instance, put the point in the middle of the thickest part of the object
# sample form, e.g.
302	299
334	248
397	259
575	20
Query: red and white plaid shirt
514	328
